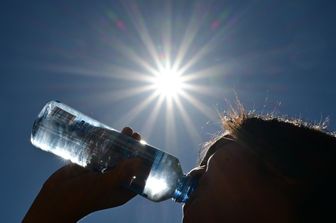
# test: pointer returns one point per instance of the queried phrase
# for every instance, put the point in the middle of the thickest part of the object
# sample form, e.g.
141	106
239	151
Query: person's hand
73	192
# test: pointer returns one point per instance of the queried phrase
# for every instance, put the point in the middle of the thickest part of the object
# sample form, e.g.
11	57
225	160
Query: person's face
233	189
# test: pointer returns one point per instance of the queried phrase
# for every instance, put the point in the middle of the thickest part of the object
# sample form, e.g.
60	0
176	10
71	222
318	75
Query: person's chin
189	213
186	215
186	218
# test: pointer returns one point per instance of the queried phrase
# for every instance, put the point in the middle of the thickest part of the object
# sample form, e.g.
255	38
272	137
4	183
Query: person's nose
197	172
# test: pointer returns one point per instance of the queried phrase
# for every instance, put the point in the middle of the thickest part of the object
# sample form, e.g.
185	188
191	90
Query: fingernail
127	131
136	136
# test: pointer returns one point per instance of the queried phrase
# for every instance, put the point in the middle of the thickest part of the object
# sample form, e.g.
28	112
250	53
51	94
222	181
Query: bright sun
168	83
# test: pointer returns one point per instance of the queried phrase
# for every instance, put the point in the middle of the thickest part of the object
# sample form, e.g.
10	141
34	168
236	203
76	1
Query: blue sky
276	56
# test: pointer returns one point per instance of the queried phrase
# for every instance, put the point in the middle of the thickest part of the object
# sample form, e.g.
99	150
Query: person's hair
302	154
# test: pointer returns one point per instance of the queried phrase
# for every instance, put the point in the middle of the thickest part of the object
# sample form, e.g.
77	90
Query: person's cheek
218	190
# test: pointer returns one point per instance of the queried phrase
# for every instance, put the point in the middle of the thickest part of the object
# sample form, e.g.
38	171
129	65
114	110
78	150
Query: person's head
265	169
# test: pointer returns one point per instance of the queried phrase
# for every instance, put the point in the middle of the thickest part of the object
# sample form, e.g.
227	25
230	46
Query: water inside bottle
69	134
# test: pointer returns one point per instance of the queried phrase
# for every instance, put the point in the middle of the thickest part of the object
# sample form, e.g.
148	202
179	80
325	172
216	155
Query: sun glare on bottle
168	83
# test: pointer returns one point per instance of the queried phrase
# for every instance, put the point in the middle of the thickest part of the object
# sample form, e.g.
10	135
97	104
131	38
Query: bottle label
62	115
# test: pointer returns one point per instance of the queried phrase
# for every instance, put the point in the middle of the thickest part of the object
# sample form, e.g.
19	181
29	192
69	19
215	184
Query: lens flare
164	64
168	83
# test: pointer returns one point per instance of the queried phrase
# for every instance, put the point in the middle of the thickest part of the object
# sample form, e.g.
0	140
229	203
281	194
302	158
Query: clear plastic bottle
65	132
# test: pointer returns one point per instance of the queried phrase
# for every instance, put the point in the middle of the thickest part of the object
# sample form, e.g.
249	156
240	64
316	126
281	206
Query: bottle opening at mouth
184	189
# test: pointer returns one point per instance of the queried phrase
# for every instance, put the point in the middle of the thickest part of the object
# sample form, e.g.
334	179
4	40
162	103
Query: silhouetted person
262	169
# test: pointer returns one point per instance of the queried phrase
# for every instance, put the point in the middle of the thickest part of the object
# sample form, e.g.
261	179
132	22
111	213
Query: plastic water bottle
65	132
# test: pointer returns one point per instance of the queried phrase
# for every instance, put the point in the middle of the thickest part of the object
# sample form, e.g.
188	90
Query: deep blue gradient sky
276	56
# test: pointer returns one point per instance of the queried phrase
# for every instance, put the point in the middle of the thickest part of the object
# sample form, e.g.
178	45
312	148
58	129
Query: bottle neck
184	189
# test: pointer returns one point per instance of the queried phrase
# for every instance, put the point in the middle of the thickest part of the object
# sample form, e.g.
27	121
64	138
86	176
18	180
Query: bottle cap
184	189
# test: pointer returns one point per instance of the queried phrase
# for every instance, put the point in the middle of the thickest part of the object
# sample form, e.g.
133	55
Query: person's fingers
123	173
127	131
136	136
